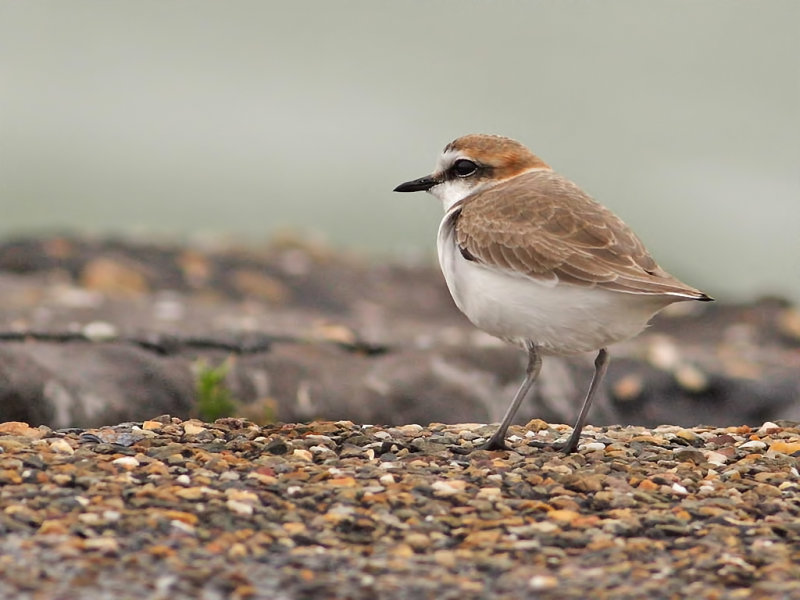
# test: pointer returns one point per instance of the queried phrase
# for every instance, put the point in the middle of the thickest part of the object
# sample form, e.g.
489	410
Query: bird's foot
494	444
567	447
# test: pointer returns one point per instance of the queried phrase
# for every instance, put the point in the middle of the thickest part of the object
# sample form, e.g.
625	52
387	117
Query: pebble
99	331
592	446
662	353
679	489
628	388
21	429
238	507
489	493
61	446
690	378
105	545
753	445
448	487
785	447
768	428
126	462
302	454
715	458
192	428
711	507
541	583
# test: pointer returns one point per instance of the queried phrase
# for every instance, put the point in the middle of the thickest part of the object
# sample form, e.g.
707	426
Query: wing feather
541	225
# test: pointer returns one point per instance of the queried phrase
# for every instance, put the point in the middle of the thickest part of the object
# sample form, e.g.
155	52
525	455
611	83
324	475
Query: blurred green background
243	118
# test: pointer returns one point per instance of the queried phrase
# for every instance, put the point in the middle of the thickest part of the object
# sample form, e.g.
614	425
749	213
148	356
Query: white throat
450	192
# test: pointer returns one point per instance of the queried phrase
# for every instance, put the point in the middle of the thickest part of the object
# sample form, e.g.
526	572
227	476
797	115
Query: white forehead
446	159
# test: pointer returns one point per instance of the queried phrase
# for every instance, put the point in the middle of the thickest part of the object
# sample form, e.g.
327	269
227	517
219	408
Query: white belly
559	319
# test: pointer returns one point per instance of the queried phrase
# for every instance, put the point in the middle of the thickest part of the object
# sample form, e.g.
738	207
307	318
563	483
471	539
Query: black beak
418	185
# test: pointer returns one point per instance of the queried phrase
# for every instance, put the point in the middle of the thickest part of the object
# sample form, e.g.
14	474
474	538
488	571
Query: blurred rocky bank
101	331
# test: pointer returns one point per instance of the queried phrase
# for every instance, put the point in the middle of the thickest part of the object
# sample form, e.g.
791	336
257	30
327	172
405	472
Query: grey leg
600	366
498	439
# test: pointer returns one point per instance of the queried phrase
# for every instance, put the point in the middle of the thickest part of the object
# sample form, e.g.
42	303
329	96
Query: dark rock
304	334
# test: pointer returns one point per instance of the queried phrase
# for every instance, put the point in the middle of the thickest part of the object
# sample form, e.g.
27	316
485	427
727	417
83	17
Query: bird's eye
464	167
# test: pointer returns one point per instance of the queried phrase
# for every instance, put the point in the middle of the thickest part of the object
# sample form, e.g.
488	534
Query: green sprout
214	399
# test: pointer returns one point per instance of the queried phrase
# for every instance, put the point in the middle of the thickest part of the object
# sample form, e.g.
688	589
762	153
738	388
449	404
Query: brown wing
544	226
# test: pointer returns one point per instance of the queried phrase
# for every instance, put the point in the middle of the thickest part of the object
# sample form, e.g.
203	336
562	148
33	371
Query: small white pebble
679	489
75	297
542	582
754	444
767	427
301	454
99	331
168	309
183	479
490	493
663	353
716	458
341	509
182	527
89	518
689	377
192	428
106	545
126	462
61	447
241	508
544	527
410	429
592	446
383	435
229	476
320	439
245	496
446	488
386	479
293	489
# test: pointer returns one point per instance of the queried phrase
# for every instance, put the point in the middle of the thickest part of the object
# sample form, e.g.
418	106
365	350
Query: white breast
560	318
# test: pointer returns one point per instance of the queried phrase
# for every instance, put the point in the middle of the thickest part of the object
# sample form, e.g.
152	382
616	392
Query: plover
532	259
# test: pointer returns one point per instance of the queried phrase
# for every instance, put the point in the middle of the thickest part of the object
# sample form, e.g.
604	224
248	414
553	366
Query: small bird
532	259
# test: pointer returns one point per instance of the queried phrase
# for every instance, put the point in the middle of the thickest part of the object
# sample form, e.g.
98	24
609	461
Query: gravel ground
184	509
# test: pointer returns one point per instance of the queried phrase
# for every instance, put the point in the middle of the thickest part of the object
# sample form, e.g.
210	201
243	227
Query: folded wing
543	226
